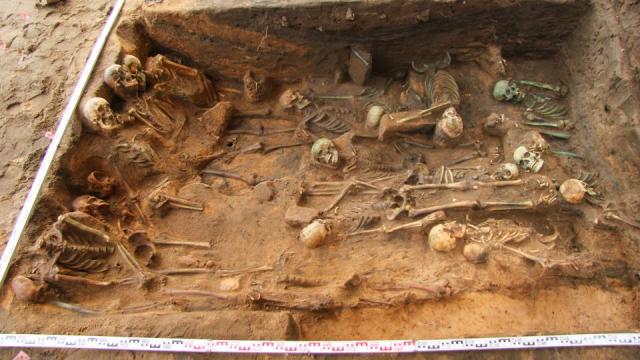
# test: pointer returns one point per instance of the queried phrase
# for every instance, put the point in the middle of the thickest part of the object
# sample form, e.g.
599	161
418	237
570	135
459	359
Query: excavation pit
277	164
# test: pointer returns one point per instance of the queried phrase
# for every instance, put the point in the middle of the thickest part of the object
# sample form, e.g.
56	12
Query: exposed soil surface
251	195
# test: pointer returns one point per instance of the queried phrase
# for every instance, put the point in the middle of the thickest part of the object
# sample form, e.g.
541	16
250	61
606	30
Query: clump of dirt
333	199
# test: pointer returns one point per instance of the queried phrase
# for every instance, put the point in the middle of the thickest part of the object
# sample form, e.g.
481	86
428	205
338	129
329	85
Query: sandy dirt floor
266	283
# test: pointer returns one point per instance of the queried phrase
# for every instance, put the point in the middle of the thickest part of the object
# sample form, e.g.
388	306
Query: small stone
264	191
424	16
297	216
209	264
350	15
284	22
353	282
230	284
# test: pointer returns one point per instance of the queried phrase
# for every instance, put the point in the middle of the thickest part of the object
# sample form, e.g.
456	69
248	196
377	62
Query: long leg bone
610	215
350	185
544	262
142	117
328	188
474	155
475	204
85	281
199	293
269	148
559	90
184	271
425	112
261	131
251	182
422	223
196	244
178	203
131	262
462	185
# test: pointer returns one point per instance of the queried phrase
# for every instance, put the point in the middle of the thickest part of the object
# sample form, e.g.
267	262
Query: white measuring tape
316	347
34	191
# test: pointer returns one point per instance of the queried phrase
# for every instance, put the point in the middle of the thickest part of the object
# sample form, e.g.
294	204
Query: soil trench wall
314	37
603	61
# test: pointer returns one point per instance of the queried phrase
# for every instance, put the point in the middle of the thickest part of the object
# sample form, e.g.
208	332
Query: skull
508	91
121	81
26	289
507	171
101	183
287	99
496	125
98	116
324	152
373	116
314	234
448	128
89	204
444	237
533	140
256	88
143	248
528	158
133	65
573	191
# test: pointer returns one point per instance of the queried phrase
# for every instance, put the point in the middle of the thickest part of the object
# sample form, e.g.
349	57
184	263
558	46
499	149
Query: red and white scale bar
315	347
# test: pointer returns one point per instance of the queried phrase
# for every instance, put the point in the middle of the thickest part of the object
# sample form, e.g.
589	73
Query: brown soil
254	278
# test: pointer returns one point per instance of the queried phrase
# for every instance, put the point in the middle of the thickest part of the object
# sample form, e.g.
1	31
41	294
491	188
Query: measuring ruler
65	120
316	347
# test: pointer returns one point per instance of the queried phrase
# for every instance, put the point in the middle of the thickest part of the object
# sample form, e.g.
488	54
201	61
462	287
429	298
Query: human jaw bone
508	91
122	82
97	115
528	158
325	153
